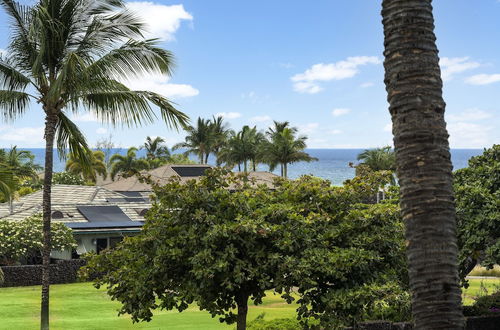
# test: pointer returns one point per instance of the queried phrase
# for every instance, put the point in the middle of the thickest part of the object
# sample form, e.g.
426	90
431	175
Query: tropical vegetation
219	247
70	56
91	169
127	165
23	240
379	159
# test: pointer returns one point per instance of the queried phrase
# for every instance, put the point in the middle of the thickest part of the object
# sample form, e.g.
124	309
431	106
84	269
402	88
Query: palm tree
379	159
155	148
198	141
283	147
242	147
127	165
220	134
97	166
7	182
71	55
22	162
414	87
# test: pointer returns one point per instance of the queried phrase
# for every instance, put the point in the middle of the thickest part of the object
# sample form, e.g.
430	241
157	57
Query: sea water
332	164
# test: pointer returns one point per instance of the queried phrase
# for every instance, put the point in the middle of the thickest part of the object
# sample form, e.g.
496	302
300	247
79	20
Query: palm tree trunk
50	126
414	87
245	165
285	170
281	170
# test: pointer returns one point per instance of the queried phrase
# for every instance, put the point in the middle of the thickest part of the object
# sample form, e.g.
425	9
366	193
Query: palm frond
69	137
13	104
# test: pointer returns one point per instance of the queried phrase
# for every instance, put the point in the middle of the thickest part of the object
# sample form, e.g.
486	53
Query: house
100	216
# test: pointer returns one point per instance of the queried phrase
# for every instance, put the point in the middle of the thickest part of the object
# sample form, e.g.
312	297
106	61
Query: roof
163	174
66	201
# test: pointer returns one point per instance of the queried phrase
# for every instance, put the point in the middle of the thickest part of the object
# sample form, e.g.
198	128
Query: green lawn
80	306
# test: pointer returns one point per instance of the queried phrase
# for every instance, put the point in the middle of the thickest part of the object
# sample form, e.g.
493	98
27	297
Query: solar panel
98	225
103	214
190	170
130	193
128	199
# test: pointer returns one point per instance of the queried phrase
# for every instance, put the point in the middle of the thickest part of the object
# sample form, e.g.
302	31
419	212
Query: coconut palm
7	182
414	87
242	147
155	148
220	134
198	141
379	159
90	172
127	165
22	162
72	56
283	147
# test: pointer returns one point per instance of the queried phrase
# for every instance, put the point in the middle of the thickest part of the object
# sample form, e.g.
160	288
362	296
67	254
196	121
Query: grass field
80	306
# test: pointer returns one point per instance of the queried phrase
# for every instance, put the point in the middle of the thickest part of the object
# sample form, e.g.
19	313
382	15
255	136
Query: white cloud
335	132
453	65
388	127
306	82
308	128
469	115
366	84
159	84
161	21
483	79
28	136
468	135
101	130
340	112
228	115
84	117
260	119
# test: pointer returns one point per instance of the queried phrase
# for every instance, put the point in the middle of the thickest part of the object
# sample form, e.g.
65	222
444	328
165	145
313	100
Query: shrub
485	305
67	178
278	324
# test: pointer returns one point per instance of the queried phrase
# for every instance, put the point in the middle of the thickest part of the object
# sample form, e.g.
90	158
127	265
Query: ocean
332	164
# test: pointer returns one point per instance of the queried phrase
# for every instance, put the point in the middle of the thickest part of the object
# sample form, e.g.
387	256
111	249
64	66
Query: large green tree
424	170
156	148
71	56
477	197
221	241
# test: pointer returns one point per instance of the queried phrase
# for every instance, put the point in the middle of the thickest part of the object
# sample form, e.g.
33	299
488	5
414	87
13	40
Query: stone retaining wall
63	271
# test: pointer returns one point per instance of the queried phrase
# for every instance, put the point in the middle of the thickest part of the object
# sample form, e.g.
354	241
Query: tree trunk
242	302
281	170
245	165
285	170
50	125
414	87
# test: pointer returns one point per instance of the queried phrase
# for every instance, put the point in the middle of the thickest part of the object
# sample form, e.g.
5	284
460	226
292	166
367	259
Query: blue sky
317	64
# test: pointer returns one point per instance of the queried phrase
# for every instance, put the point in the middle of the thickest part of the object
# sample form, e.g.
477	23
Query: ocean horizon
332	164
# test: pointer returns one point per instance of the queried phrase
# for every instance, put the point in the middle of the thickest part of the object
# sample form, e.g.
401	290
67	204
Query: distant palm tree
71	55
414	88
199	140
283	147
97	167
155	148
379	159
22	162
220	134
242	147
127	165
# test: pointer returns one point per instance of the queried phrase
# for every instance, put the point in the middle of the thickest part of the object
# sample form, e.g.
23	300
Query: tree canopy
477	197
221	240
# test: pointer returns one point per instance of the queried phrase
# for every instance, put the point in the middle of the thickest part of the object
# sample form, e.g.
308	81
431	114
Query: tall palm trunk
414	87
50	127
285	170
